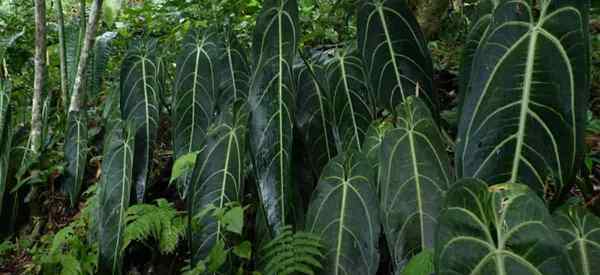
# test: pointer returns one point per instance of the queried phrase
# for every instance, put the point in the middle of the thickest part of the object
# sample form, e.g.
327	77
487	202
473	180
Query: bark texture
88	42
40	74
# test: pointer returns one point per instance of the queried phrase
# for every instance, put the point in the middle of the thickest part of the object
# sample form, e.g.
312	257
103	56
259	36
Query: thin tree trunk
64	79
40	73
88	42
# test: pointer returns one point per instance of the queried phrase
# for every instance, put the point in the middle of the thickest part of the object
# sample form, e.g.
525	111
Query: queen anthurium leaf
75	154
414	175
272	103
217	178
312	107
343	211
234	72
139	106
73	44
195	91
351	110
102	52
395	52
498	230
372	145
522	119
113	197
5	135
581	230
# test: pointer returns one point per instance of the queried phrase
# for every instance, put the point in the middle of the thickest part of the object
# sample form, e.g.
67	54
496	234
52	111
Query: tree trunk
88	42
62	50
40	73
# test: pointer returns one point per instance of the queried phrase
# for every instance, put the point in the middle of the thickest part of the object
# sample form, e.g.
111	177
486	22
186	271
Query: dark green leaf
139	106
5	136
499	230
414	175
114	194
523	117
75	154
395	53
234	72
344	213
272	101
581	230
102	52
217	178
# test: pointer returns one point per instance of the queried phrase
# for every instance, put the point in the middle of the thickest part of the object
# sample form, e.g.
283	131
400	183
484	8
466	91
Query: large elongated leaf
75	154
581	230
102	52
73	44
499	230
194	94
344	213
351	110
312	110
272	103
218	176
395	52
5	136
522	118
234	72
139	106
415	174
113	197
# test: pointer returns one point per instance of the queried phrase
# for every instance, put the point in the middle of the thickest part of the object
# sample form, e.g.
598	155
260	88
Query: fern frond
291	253
160	222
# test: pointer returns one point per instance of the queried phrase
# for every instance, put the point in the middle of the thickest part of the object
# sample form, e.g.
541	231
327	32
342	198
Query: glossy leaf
414	175
113	197
272	103
344	213
312	110
75	154
522	118
5	136
395	52
498	230
195	94
581	230
139	106
351	110
217	178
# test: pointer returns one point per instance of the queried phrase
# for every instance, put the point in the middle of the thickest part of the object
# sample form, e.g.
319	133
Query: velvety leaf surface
75	154
581	230
344	213
499	230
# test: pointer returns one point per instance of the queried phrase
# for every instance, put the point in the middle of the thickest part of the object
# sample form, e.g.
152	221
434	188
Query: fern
160	222
290	253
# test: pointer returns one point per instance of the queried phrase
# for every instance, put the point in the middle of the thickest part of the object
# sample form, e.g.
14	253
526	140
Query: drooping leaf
351	110
414	175
523	117
5	136
73	44
581	231
139	106
195	94
217	178
372	146
395	52
97	70
498	230
7	42
114	194
312	111
344	213
75	154
272	103
234	72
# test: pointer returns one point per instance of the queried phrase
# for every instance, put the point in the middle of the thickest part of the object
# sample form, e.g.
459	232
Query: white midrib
121	205
232	73
347	90
280	101
388	41
223	182
191	142
417	185
323	120
77	176
340	234
147	117
524	104
584	257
